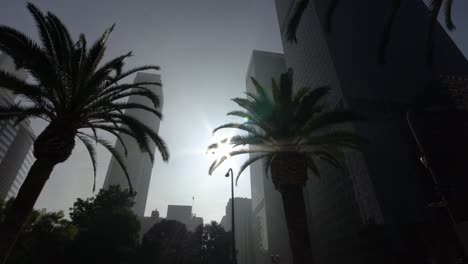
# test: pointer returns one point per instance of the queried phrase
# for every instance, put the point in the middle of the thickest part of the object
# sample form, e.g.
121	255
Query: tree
76	94
108	230
217	244
42	232
435	7
290	133
165	242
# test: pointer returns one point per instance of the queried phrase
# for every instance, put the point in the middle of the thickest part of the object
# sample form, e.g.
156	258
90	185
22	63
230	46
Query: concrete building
361	216
244	233
16	155
270	234
138	163
183	214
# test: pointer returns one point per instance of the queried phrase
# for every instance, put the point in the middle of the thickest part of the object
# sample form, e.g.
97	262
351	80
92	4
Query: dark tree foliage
165	242
79	95
107	228
46	238
169	242
216	244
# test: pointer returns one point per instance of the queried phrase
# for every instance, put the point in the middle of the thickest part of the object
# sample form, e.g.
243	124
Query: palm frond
142	129
244	127
123	75
248	162
293	24
216	164
112	131
107	145
312	166
267	164
41	24
386	34
92	153
448	15
286	85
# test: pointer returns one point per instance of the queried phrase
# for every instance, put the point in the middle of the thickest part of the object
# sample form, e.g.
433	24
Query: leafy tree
45	238
165	242
290	133
435	7
107	228
76	94
216	244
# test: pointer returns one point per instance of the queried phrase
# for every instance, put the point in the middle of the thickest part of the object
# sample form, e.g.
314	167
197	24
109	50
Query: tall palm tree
77	95
435	7
290	133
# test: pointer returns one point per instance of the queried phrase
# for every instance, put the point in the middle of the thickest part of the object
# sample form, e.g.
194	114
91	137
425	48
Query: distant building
365	215
244	233
183	214
16	142
138	163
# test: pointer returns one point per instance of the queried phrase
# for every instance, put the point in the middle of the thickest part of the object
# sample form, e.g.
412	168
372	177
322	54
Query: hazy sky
203	48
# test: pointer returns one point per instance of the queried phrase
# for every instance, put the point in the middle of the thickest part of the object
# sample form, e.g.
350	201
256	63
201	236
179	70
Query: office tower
270	234
244	229
386	190
16	155
138	163
183	214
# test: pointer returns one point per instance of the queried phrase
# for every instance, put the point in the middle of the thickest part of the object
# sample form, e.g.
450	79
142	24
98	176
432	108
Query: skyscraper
16	155
138	163
386	189
244	228
270	234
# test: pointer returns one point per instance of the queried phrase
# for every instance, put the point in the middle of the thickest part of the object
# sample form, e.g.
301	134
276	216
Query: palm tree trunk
296	220
18	214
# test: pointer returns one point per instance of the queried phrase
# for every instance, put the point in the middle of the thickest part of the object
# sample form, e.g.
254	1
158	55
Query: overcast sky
203	48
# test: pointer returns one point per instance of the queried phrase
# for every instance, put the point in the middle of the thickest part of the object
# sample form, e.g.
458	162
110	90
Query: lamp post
234	253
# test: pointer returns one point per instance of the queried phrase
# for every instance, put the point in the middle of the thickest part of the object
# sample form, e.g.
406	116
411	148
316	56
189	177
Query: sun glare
223	150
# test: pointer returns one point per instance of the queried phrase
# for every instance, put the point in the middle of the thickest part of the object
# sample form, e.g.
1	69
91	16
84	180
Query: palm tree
435	7
77	95
290	133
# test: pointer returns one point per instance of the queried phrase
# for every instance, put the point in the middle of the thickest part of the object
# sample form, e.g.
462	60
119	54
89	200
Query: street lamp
234	253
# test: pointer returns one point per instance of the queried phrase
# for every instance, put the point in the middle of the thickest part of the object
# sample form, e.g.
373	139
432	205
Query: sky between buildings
203	48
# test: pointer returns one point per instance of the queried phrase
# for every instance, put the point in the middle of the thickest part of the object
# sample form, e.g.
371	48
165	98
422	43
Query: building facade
16	142
244	229
270	234
183	214
138	163
360	216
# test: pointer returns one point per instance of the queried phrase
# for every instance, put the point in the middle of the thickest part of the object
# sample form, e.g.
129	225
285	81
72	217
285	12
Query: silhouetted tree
107	228
216	244
76	94
165	242
45	238
290	133
435	7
